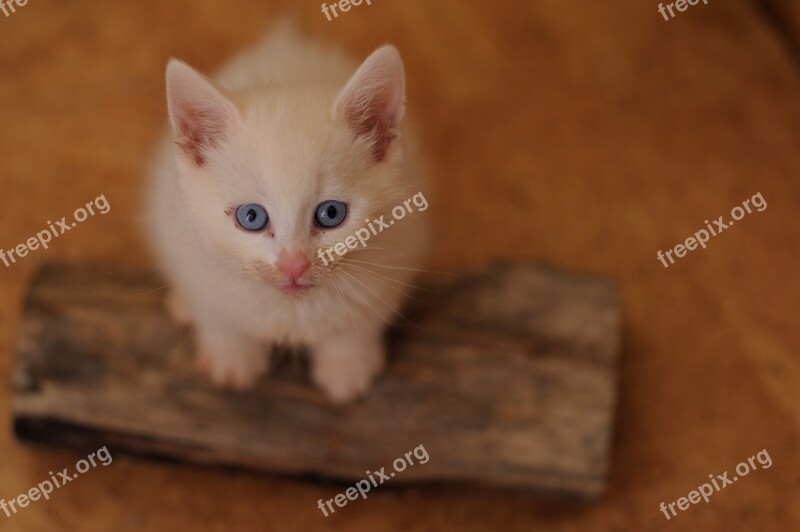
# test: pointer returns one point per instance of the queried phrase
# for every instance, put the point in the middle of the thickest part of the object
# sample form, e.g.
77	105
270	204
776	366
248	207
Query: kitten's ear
373	101
200	115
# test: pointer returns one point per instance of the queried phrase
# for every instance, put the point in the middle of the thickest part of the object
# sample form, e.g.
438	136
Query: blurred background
586	134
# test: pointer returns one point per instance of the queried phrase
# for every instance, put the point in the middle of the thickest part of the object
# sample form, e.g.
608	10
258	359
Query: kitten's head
270	176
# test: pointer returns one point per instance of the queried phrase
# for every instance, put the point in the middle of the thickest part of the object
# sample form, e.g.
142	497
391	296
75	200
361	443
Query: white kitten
237	210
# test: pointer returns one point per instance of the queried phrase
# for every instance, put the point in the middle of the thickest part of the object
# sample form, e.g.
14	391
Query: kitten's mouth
293	288
279	283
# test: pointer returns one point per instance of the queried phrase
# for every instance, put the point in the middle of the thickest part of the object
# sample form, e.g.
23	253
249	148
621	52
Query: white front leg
344	366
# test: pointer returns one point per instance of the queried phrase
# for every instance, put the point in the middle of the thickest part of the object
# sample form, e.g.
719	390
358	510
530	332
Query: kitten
289	152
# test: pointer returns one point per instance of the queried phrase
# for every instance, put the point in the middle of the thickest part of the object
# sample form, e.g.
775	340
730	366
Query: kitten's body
287	134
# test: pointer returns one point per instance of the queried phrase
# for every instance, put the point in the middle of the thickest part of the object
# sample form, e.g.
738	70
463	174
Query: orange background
586	134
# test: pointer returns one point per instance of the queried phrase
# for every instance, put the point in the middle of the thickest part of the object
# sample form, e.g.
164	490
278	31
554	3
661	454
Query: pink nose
293	265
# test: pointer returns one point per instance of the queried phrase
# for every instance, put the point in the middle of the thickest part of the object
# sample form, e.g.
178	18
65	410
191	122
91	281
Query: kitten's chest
274	319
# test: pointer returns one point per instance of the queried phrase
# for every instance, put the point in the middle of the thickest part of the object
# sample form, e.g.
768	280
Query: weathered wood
508	378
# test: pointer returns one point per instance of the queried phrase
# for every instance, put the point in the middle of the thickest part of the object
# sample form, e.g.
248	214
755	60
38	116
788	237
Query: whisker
407	268
148	291
348	262
363	300
383	279
344	301
356	279
186	335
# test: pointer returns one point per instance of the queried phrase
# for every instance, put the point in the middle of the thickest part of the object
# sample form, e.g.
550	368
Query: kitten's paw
345	369
233	370
178	309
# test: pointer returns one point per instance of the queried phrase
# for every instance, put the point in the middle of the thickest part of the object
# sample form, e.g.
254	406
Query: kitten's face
288	182
289	171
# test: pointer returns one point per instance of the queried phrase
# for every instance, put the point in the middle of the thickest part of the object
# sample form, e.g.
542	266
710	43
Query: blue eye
330	213
252	217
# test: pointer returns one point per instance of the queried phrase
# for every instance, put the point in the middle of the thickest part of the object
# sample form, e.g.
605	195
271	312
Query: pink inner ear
191	139
201	115
372	101
375	121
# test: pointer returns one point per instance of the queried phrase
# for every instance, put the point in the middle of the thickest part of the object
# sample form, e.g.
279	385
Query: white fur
280	130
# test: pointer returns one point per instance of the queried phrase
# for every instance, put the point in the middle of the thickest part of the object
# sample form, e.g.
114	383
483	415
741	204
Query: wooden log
508	377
